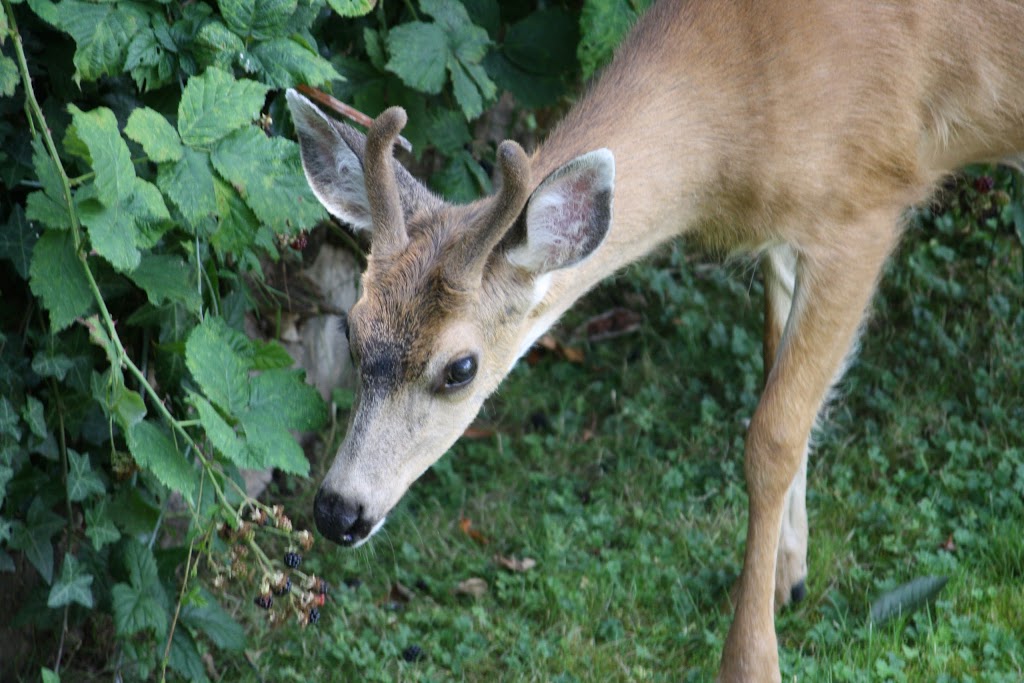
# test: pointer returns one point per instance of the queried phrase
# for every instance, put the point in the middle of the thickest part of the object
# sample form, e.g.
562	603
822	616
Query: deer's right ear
332	159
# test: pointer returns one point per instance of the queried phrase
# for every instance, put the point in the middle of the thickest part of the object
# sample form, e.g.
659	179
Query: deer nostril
340	520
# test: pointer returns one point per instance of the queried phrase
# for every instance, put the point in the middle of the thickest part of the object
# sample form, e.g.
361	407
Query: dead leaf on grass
514	564
466	525
475	587
400	593
610	324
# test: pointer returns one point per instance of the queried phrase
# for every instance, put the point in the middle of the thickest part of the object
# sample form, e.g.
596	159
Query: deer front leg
833	286
779	268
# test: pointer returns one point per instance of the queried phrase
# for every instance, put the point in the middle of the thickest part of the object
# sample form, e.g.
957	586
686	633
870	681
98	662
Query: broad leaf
906	599
101	31
419	54
286	401
111	160
184	657
33	414
154	450
352	8
58	279
111	232
217	367
258	18
17	239
216	45
215	104
157	136
222	435
73	585
33	537
188	182
211	620
82	481
140	604
603	23
167	278
9	419
9	76
99	527
283	62
272	445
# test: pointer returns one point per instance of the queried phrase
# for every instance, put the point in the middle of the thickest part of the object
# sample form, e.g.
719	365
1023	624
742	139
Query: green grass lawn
622	478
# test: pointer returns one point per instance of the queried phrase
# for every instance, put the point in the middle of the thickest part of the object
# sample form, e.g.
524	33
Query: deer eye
459	373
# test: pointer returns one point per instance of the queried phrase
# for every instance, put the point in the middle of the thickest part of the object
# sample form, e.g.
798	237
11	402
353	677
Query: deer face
446	301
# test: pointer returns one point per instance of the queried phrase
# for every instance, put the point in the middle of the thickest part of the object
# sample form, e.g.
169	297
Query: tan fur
760	126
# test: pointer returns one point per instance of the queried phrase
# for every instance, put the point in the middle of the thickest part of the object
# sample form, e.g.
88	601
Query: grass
622	477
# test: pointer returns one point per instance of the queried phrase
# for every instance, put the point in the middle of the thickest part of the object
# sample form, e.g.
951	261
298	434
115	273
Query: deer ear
332	157
568	215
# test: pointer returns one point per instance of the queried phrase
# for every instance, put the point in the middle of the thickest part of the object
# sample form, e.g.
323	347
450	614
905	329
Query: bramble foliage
146	173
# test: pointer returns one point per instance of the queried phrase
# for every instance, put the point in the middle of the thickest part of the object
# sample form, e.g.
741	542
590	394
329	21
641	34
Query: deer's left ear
568	215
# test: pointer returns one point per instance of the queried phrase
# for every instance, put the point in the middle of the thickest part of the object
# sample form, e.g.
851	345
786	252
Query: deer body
796	131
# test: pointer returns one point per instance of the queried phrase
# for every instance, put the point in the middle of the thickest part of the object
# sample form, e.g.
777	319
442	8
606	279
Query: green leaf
43	208
147	207
447	130
906	599
111	232
157	136
287	401
258	18
83	481
544	42
272	445
48	364
216	45
215	104
270	356
9	419
267	172
211	620
17	239
217	367
111	160
33	413
140	604
33	537
603	24
286	61
101	32
74	585
9	77
49	206
167	278
238	224
462	179
189	184
99	526
154	450
48	676
6	474
419	54
58	279
352	8
222	435
467	94
184	657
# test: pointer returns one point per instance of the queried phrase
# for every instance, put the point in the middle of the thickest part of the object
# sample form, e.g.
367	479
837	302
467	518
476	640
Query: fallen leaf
466	525
610	324
399	593
475	587
513	564
477	433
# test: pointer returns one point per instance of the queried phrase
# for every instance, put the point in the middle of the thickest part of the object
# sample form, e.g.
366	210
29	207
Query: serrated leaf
111	160
9	77
189	184
73	585
184	657
99	527
447	130
216	45
49	176
222	435
33	414
101	32
211	620
352	8
154	450
82	480
33	537
140	604
167	278
149	61
258	18
419	54
157	136
17	240
462	179
603	24
285	62
111	232
287	401
272	445
906	599
270	356
57	277
215	104
466	92
238	225
218	369
43	208
152	219
267	172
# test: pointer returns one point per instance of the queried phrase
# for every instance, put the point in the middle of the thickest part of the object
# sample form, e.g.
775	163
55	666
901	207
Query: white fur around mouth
374	530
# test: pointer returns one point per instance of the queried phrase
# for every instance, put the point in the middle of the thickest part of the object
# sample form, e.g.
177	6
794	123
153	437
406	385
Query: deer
798	134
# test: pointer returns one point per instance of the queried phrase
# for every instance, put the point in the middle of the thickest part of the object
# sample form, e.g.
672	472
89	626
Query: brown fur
757	126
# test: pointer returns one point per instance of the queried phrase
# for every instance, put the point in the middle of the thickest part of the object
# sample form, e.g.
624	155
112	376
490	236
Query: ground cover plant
590	525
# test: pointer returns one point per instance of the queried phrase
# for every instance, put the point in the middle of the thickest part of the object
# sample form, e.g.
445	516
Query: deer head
448	299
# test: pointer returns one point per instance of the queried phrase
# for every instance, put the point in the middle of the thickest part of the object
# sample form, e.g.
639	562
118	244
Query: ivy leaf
33	537
99	527
139	604
352	8
258	18
189	184
101	32
215	104
157	136
57	277
267	172
111	160
33	415
9	419
217	367
83	481
167	278
74	585
155	451
419	54
17	239
286	61
9	77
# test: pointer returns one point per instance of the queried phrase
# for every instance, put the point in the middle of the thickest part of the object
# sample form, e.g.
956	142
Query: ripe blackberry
314	615
285	588
265	601
322	587
293	560
413	653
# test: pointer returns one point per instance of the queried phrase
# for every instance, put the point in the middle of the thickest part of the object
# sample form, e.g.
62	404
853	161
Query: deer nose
340	520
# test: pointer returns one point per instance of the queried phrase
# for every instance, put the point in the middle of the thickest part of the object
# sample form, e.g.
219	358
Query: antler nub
381	189
507	203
